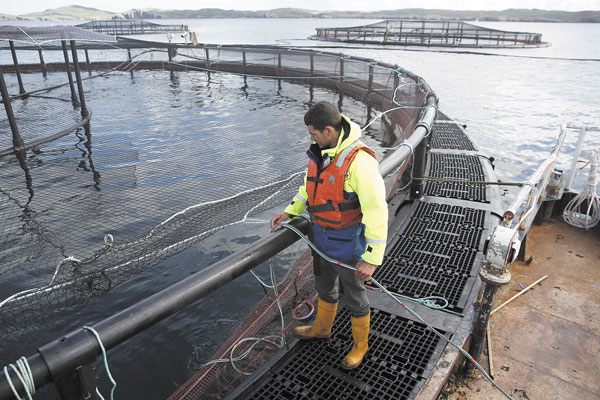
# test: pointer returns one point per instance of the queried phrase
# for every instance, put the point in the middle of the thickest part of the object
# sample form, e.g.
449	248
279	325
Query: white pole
573	170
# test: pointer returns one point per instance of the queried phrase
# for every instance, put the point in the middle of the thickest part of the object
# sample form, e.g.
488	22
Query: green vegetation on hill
516	15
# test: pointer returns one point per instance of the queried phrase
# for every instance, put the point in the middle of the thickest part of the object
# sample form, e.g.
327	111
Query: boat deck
546	343
434	249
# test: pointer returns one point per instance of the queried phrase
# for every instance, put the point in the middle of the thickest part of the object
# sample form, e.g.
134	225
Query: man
345	196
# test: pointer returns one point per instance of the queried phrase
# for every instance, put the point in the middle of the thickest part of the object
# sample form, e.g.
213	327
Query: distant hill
513	15
70	13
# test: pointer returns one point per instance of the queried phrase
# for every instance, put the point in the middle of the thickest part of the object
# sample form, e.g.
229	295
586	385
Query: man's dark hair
323	114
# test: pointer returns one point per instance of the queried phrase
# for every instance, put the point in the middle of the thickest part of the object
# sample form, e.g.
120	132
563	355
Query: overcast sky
22	7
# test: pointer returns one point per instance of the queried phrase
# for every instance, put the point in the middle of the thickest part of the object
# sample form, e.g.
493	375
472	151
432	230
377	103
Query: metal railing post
418	170
42	63
573	169
16	137
84	111
87	60
278	63
17	69
68	67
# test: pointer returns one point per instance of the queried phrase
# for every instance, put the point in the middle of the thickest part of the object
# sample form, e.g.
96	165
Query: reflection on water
162	141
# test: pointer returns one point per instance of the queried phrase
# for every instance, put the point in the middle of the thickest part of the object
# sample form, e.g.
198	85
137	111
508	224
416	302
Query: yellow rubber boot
360	334
321	329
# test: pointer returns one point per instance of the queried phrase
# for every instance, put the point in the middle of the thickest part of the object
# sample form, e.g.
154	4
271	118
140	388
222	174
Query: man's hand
278	219
364	270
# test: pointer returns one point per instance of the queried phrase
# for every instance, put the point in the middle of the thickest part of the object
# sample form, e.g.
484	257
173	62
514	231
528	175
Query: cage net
423	32
174	161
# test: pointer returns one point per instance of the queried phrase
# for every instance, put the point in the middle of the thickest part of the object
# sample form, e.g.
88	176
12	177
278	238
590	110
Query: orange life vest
326	202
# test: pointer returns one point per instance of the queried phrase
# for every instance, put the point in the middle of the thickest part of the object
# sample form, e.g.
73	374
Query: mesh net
41	34
436	33
168	159
218	379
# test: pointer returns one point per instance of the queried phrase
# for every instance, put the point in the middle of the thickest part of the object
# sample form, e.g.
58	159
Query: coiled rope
23	372
573	213
396	299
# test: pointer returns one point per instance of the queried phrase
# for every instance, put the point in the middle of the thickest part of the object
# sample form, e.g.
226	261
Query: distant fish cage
430	33
130	27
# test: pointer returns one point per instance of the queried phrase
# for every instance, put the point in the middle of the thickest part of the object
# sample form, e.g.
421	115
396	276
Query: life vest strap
329	221
333	206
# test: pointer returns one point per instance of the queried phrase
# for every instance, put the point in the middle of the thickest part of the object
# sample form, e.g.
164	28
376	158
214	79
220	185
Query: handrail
534	187
79	347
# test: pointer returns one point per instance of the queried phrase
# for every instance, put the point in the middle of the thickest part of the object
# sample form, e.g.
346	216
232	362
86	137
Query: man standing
345	196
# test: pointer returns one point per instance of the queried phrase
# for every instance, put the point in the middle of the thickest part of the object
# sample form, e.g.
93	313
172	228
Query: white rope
28	291
23	372
575	213
110	377
108	240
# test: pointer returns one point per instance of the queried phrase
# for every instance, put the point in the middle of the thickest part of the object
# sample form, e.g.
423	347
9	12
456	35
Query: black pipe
68	66
17	70
481	323
17	140
418	170
80	347
84	111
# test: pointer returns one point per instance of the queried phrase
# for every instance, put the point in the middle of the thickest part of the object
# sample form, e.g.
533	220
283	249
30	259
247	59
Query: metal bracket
78	385
502	248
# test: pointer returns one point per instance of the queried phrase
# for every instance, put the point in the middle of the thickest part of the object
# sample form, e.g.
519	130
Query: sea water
512	101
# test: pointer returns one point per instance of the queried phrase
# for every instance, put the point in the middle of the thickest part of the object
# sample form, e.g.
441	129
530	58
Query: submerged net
170	164
215	380
74	280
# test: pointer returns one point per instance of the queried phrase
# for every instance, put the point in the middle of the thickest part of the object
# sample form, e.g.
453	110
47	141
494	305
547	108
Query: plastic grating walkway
435	248
450	136
459	167
395	368
435	253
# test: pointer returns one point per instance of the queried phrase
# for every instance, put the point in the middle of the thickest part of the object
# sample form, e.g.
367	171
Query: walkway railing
430	33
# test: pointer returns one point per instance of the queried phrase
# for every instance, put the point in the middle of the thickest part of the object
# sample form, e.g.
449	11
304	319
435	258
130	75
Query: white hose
576	213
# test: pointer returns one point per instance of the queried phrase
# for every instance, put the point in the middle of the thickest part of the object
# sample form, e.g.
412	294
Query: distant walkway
430	33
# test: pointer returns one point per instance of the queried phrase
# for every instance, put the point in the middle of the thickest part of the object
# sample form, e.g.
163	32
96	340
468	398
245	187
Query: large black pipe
418	170
79	347
481	323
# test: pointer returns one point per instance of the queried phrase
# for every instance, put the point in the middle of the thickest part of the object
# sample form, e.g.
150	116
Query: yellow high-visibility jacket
363	178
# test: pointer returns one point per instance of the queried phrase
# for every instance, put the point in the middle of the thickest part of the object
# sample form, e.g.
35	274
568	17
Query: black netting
40	34
172	154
